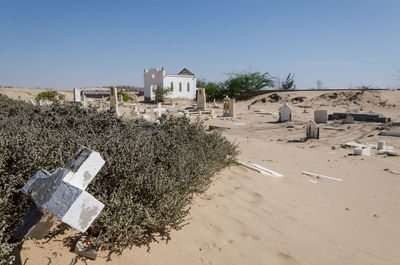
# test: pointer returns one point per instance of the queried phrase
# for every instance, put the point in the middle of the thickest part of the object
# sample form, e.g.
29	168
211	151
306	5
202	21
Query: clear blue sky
66	44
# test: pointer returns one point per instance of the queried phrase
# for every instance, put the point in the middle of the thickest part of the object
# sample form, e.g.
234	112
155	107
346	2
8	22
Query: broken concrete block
62	193
358	151
85	248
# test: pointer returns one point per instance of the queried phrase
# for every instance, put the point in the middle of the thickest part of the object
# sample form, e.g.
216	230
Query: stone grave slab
312	130
321	116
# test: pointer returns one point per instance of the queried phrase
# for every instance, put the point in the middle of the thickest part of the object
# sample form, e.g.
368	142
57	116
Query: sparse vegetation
287	83
49	95
151	174
161	92
125	97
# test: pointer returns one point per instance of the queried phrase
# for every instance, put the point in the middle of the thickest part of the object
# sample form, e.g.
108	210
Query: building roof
185	72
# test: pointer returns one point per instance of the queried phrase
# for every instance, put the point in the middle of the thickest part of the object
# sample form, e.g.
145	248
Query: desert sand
250	218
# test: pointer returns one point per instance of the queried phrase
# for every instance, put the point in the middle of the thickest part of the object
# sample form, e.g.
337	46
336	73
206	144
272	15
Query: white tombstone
321	116
120	99
135	111
201	99
312	130
285	112
77	95
214	105
63	192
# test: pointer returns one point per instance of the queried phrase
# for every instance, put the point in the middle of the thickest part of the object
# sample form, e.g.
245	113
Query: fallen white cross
260	169
63	192
320	176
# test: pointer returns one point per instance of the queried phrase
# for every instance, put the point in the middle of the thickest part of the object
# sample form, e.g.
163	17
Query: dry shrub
147	184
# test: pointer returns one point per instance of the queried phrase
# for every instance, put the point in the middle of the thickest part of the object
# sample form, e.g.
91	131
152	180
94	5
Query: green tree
161	92
239	82
288	83
213	90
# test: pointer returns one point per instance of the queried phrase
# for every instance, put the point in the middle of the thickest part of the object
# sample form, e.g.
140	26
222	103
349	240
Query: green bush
147	184
125	97
49	95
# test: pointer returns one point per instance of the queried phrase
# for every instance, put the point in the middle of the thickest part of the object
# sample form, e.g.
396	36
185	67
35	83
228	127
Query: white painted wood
320	176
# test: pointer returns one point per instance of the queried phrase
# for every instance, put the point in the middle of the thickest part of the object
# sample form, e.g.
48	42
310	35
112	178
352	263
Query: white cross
63	192
158	111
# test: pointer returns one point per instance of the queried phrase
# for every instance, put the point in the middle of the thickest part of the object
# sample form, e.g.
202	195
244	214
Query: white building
182	85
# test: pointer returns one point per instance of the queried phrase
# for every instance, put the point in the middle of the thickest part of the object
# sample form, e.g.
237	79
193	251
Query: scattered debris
260	169
298	99
320	176
85	248
274	97
388	152
391	172
334	128
215	127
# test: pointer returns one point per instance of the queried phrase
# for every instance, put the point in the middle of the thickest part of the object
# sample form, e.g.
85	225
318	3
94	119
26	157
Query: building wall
184	80
153	79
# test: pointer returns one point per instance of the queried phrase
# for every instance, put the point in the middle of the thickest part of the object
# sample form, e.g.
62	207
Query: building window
172	86
152	76
188	87
180	86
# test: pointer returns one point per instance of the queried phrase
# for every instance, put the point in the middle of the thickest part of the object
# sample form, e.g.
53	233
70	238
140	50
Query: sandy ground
249	218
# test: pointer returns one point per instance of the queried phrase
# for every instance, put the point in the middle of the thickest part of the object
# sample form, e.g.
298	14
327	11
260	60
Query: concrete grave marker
321	116
362	151
120	99
201	99
158	111
229	107
214	105
285	112
63	194
312	130
77	95
113	100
